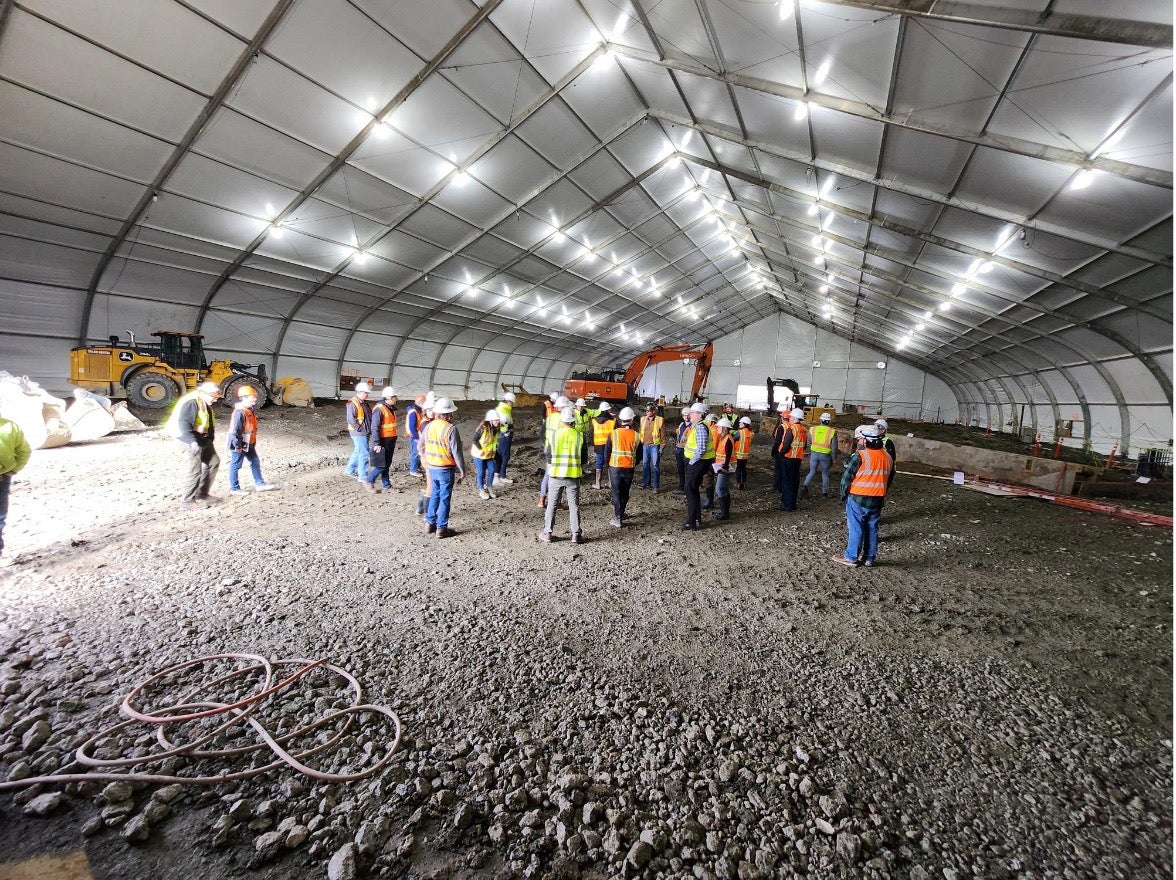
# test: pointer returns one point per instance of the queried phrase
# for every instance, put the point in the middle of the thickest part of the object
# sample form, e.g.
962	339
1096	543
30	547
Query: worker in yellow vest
708	478
864	484
602	427
483	450
551	424
699	451
446	466
822	443
566	456
193	423
743	439
622	449
652	433
791	451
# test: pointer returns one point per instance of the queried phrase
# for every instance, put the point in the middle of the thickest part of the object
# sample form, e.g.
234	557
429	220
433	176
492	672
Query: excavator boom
612	385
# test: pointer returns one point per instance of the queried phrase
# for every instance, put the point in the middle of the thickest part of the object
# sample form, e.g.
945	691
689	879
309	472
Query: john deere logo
126	356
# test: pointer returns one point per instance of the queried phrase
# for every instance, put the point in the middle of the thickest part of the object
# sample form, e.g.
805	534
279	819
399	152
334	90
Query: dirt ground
994	699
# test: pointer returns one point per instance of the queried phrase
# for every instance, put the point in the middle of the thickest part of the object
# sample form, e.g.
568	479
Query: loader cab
183	351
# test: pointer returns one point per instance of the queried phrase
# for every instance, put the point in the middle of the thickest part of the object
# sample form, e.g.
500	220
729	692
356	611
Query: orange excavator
620	385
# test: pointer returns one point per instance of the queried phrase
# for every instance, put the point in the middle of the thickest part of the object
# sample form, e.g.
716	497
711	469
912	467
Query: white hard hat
388	391
361	387
443	406
710	417
509	397
568	416
553	395
208	388
797	414
580	401
724	422
826	417
606	407
492	415
869	432
562	402
626	415
698	408
881	425
430	399
746	420
859	431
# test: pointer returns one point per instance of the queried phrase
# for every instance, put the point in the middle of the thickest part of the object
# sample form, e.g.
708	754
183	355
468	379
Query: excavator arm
703	358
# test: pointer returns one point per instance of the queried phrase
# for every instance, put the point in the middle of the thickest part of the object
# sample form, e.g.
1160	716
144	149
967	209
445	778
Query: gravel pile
987	703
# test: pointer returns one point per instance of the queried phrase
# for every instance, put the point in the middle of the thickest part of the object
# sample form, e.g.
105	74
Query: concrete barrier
1024	470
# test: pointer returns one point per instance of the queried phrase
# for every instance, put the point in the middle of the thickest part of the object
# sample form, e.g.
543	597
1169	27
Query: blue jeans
440	494
863	531
414	456
504	443
822	460
651	465
236	459
5	487
484	472
360	461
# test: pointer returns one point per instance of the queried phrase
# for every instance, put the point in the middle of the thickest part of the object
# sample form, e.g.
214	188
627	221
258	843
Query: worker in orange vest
791	452
359	426
864	484
622	449
381	441
243	442
723	467
743	438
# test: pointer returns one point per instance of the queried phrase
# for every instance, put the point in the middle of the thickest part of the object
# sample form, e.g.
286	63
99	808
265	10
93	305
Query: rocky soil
993	700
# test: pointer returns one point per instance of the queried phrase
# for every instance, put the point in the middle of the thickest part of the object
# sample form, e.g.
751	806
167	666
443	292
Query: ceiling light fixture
828	185
276	230
801	112
1084	178
823	71
786	9
945	306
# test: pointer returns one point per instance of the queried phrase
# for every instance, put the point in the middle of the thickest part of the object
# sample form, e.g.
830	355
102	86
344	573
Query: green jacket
14	449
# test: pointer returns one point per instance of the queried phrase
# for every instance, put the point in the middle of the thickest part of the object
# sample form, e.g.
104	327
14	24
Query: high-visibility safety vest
651	429
799	435
202	423
550	426
725	451
248	425
682	429
582	420
872	473
360	410
487	445
601	430
506	411
565	454
822	439
692	444
743	444
549	408
624	448
437	451
387	421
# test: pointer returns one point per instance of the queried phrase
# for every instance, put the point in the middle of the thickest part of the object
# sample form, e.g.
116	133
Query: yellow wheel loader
153	375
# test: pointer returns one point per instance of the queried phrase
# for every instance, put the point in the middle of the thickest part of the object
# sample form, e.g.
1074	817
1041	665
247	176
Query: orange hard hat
247	391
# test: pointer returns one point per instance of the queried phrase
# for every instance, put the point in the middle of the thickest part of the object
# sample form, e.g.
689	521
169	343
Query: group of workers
712	451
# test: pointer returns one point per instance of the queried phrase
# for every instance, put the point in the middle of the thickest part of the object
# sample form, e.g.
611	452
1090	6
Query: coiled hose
195	706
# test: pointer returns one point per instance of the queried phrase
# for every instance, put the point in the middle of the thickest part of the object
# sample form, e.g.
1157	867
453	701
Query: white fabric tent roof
438	191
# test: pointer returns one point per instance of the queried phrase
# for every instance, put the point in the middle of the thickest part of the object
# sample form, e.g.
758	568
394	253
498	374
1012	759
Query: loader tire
148	389
229	390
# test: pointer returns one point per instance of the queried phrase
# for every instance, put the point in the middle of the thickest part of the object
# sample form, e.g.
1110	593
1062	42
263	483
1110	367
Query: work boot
484	495
430	528
370	487
804	491
577	538
445	532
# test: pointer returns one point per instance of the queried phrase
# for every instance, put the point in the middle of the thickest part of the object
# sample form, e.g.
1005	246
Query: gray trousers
199	472
572	486
822	461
